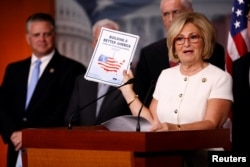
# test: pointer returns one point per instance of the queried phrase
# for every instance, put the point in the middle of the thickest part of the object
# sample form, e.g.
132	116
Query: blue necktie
33	81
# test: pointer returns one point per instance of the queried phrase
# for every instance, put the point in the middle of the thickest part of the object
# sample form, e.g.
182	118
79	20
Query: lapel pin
52	70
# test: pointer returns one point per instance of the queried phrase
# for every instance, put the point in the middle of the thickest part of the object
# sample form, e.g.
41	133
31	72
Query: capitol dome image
74	32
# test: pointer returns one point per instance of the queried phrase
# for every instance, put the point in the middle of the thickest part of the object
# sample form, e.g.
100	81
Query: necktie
33	81
102	89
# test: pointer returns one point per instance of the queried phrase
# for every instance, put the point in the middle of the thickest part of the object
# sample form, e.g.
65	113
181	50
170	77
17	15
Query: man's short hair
40	17
105	22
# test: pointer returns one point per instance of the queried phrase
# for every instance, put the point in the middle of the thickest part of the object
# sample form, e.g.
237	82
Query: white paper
127	123
113	53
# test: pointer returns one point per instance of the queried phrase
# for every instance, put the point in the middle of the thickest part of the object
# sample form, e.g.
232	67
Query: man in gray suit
110	106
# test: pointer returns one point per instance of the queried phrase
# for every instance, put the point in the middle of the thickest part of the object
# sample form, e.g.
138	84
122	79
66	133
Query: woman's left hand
127	75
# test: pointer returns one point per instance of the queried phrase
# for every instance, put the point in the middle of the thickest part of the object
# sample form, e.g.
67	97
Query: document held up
113	53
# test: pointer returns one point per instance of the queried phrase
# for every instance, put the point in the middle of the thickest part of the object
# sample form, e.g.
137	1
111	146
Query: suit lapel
47	78
23	81
88	113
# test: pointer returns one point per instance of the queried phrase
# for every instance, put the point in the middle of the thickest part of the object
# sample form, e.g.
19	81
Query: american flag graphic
237	44
109	64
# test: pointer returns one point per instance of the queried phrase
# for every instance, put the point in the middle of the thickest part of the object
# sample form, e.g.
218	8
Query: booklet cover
113	53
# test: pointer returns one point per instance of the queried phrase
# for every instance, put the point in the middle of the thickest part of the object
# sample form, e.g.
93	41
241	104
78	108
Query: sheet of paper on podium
113	53
127	123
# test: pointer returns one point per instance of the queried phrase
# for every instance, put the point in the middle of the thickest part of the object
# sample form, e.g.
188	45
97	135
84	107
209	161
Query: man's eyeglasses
194	38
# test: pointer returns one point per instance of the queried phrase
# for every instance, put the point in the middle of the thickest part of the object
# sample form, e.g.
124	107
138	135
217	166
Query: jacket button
25	119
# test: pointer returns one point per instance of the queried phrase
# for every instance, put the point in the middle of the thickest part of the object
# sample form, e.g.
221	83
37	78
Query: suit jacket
84	93
241	106
154	58
49	101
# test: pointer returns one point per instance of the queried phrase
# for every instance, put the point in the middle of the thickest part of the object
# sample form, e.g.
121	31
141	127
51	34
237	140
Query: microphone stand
138	126
93	101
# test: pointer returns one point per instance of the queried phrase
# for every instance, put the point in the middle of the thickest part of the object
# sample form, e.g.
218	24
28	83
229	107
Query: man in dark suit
47	106
241	106
154	57
85	92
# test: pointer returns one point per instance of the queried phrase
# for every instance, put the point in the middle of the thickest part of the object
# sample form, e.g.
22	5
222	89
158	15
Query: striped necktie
33	81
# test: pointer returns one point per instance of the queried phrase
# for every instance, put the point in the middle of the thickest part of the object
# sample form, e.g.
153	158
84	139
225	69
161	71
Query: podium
97	146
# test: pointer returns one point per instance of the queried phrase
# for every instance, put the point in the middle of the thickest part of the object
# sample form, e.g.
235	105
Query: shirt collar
43	59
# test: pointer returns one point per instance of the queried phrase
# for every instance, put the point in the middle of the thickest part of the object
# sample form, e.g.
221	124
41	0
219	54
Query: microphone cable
130	81
138	126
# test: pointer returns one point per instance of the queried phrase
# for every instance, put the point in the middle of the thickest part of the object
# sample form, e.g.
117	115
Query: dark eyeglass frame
193	38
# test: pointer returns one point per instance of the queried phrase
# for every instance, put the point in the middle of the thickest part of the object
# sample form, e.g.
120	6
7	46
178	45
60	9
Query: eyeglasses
194	38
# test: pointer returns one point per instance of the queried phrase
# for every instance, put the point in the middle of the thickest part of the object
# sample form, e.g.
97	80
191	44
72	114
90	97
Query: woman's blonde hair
204	26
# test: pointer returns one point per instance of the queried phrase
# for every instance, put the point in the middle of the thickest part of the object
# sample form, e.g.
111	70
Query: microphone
138	126
130	81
